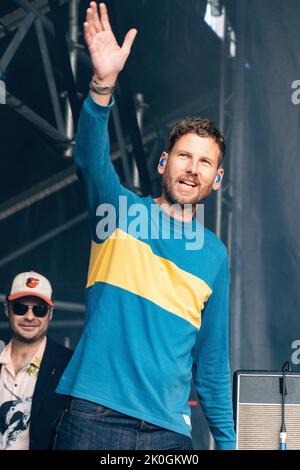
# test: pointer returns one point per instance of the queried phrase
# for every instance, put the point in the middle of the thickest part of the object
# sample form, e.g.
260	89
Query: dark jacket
46	404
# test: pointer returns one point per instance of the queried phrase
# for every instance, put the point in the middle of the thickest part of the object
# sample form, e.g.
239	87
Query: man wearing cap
30	367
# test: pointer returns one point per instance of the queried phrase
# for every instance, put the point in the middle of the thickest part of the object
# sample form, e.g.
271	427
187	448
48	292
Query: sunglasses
21	309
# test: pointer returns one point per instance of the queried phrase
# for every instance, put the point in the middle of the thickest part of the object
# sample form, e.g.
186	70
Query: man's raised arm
108	58
92	150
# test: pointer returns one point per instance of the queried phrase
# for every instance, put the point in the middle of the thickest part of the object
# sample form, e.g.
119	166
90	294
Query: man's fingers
90	21
96	20
128	41
104	17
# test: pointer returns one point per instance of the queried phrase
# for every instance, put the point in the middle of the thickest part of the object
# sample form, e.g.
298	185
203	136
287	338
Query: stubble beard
170	196
23	339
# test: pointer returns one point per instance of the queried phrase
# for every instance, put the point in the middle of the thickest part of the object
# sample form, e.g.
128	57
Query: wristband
101	90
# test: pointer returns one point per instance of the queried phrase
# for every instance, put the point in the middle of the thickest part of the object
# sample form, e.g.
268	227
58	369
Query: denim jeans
88	426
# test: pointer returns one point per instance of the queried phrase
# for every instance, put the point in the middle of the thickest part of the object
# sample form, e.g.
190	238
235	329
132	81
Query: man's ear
218	179
162	163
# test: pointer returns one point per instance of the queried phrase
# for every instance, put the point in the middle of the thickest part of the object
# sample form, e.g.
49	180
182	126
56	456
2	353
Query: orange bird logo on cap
32	282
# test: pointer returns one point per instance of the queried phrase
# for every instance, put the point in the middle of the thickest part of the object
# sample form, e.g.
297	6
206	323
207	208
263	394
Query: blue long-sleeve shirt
157	312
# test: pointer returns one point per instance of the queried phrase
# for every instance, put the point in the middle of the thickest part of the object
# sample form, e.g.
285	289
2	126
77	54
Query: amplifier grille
259	426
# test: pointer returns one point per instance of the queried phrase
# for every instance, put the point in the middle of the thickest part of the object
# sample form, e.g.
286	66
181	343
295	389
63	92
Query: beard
173	198
28	340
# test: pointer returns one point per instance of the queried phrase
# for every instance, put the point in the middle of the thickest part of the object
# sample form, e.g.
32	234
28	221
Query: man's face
28	328
191	170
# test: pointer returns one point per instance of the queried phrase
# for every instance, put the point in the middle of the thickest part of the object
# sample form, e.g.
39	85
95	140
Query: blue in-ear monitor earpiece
162	162
218	179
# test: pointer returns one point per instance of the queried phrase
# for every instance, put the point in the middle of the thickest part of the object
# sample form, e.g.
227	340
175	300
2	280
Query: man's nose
29	314
192	168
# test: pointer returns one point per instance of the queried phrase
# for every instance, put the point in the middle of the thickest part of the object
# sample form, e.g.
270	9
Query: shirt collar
35	361
5	356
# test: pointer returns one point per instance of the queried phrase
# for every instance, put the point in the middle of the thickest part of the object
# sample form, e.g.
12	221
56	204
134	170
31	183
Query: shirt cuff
97	109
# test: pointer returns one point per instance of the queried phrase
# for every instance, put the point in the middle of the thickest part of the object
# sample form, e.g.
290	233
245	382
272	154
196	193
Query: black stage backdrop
265	313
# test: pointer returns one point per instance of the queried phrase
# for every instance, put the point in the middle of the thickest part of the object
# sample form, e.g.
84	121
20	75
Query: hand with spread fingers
108	58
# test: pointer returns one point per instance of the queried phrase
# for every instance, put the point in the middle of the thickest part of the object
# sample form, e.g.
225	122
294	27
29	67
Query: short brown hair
201	127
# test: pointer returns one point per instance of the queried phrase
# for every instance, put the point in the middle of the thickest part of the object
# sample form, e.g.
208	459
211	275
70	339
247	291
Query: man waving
157	304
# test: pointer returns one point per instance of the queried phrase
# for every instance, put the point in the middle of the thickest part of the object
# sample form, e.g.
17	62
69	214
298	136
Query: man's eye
183	155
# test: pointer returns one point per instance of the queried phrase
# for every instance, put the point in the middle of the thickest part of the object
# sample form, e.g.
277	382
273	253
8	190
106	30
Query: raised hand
107	57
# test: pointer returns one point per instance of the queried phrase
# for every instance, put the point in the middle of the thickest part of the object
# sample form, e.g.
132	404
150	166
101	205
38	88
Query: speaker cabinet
258	411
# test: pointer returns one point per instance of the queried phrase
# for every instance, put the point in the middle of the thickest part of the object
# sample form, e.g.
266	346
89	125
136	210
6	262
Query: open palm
107	57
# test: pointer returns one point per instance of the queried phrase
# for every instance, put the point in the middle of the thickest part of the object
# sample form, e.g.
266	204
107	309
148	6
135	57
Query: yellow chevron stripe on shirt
130	264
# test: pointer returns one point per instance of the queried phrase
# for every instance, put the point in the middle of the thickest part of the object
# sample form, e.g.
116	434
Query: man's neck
183	214
21	353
